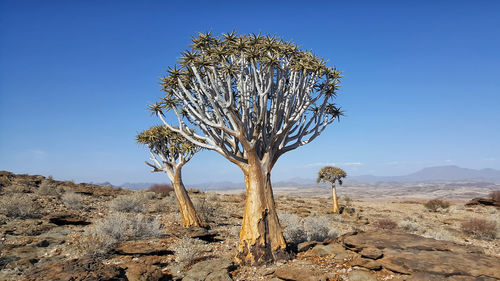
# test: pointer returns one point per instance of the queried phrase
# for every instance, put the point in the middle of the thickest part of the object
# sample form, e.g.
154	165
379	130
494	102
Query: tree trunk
188	213
261	237
335	208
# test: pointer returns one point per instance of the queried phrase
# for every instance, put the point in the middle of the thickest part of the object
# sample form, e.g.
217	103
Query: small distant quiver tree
169	152
332	175
253	98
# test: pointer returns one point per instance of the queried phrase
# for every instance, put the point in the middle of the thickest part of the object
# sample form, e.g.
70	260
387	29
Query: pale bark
189	215
335	208
261	237
252	118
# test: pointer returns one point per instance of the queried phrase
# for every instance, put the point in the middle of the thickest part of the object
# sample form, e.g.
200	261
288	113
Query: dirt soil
53	230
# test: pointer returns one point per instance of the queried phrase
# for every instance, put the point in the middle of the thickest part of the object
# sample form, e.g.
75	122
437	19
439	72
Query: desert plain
60	230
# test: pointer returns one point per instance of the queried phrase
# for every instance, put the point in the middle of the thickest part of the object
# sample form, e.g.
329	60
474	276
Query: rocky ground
51	230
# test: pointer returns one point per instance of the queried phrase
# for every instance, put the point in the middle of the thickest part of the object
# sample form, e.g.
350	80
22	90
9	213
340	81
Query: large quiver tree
332	175
170	151
253	98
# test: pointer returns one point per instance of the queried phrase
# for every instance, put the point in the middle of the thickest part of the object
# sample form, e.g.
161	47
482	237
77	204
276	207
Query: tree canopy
331	174
248	92
172	147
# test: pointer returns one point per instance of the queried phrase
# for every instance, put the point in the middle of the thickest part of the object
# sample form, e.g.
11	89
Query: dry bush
207	210
293	229
19	206
410	225
439	234
347	200
187	249
435	205
100	238
130	203
18	189
212	196
317	228
495	195
73	200
385	224
50	189
166	205
313	228
161	189
480	228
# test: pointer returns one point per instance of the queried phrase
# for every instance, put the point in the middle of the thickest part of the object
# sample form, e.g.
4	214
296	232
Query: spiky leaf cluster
170	145
226	53
250	91
331	174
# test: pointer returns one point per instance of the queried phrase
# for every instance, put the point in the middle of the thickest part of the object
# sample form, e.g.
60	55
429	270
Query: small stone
361	275
304	246
371	253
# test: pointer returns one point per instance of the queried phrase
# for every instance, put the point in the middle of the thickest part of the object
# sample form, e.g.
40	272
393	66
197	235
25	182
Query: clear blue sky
421	85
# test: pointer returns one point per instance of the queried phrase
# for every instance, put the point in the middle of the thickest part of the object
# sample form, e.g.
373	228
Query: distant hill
431	174
439	173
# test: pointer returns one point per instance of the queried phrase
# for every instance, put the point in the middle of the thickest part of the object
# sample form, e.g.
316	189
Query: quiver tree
332	175
169	152
252	98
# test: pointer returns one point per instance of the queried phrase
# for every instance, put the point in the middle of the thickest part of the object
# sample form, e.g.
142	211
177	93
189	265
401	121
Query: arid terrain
53	230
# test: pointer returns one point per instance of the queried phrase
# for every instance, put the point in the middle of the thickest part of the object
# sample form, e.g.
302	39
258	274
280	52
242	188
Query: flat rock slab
143	248
419	256
211	270
291	273
77	270
361	275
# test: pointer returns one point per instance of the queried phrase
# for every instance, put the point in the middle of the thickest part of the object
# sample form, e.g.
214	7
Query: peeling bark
261	237
188	214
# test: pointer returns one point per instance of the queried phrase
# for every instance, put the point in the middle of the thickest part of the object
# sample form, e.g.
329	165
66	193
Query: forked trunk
188	213
261	237
335	208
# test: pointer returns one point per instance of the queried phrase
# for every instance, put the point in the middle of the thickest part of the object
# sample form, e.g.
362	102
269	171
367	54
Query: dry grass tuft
435	205
100	238
162	189
312	228
187	249
385	224
73	200
480	228
19	206
130	203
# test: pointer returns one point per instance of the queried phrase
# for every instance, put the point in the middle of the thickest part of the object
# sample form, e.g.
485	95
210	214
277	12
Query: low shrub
130	203
317	228
312	228
435	205
207	210
19	206
105	233
293	229
73	200
49	189
439	234
187	249
480	228
161	189
409	225
385	224
495	195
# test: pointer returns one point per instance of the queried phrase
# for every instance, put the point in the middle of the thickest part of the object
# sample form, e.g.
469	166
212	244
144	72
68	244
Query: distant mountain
139	185
439	173
431	174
